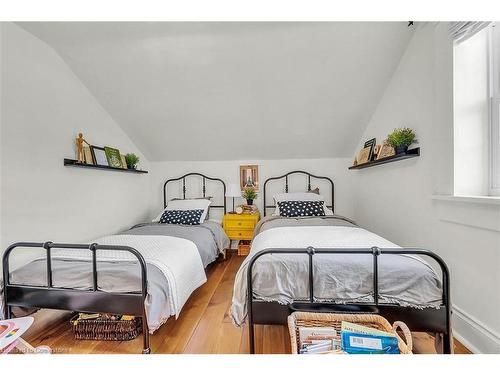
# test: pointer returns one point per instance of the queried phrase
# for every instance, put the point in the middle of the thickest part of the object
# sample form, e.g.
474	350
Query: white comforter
177	258
342	278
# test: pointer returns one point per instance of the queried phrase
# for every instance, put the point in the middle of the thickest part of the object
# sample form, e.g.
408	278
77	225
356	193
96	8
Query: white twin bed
303	257
149	270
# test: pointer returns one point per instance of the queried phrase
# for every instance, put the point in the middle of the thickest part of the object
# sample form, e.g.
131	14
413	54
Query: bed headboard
309	177
203	188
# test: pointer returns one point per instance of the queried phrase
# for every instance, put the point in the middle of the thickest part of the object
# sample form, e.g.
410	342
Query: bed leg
447	344
8	312
145	335
251	337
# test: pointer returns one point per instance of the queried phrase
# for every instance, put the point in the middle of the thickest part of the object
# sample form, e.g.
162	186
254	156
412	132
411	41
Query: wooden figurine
79	148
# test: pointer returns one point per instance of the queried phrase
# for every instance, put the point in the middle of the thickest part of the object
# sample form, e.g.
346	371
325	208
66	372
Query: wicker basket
106	329
307	319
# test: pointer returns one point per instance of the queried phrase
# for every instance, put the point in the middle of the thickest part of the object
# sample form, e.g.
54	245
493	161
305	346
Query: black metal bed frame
94	300
426	319
309	176
90	301
204	189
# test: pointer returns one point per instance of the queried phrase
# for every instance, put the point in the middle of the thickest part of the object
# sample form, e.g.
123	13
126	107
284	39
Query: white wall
396	200
336	169
43	107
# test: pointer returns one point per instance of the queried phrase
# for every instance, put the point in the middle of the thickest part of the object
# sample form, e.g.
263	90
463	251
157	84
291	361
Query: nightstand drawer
239	224
239	234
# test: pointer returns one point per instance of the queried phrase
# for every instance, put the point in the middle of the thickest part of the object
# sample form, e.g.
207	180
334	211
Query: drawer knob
239	222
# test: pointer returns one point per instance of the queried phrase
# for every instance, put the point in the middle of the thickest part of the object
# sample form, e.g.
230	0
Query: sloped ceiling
231	91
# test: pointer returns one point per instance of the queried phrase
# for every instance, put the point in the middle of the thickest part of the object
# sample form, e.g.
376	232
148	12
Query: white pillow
281	197
185	205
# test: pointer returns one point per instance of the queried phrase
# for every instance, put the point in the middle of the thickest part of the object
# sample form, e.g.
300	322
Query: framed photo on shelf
371	143
124	161
87	155
386	150
113	157
364	155
99	156
249	177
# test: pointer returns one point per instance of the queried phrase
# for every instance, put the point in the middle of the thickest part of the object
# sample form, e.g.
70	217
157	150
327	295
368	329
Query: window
476	73
494	53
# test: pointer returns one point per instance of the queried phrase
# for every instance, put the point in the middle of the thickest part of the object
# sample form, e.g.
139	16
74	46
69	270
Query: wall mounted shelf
414	152
74	163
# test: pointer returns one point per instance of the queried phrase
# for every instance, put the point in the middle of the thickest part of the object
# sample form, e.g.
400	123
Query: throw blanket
178	259
275	221
339	278
209	237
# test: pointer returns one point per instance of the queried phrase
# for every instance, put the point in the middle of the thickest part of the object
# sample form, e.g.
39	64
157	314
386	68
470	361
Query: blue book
358	343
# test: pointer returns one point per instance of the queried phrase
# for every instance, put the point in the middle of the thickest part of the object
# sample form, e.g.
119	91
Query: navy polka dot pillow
301	208
183	217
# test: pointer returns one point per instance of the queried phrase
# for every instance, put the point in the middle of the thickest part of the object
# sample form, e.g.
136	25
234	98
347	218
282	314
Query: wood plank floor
204	326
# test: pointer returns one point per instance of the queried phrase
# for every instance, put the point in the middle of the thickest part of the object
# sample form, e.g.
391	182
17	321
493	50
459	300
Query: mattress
405	280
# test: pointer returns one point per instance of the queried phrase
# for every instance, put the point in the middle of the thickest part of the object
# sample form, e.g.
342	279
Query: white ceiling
217	91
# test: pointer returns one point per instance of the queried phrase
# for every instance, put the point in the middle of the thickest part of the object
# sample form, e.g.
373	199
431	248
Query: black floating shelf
74	163
413	153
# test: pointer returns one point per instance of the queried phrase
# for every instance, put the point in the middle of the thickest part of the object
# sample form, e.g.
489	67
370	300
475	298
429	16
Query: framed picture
386	150
113	156
371	143
99	155
364	155
249	177
124	162
87	155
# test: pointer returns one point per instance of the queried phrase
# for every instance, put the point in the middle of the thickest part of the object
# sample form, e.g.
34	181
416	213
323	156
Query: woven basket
307	319
106	329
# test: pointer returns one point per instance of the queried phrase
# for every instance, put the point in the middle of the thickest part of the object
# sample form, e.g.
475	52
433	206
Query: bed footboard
427	319
90	301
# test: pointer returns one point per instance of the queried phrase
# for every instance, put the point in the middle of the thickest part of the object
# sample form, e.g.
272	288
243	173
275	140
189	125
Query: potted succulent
249	194
132	160
401	138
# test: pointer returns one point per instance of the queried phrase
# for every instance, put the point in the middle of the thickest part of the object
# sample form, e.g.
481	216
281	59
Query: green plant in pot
132	160
401	138
249	194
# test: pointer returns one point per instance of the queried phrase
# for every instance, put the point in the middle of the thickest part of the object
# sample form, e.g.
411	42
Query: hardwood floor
204	326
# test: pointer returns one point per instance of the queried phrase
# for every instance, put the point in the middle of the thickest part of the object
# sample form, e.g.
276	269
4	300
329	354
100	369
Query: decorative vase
249	202
401	149
129	166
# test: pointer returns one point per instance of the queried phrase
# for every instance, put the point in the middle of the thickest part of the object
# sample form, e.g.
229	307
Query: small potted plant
401	138
249	194
132	160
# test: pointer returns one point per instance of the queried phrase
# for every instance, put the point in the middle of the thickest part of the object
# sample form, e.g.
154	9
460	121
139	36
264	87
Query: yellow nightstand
240	226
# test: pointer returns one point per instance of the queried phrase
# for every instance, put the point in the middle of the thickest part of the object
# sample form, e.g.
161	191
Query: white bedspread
341	278
177	258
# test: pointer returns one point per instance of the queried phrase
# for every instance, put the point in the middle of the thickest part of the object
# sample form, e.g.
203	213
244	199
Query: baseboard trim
473	334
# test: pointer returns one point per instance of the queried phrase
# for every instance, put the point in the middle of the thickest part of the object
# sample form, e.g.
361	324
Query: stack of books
352	339
318	340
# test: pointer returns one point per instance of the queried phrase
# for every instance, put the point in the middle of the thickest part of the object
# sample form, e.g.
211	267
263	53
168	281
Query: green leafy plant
249	194
402	137
132	160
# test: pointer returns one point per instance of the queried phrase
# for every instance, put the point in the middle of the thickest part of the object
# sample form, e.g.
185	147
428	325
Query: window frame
494	110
